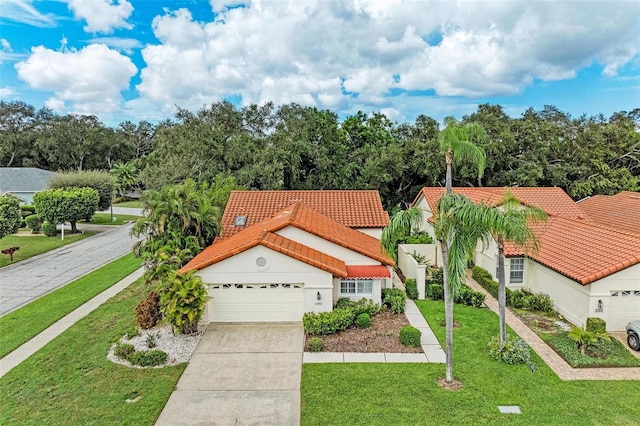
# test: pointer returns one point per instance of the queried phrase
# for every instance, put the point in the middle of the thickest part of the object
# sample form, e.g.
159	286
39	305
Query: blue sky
139	59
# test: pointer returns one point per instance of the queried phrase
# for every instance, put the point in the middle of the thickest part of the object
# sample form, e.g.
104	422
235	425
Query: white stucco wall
373	232
378	285
349	257
242	269
627	279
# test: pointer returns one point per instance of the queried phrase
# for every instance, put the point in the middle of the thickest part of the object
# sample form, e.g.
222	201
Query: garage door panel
624	307
256	302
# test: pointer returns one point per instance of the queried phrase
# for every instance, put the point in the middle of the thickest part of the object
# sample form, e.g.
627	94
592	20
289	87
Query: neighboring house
24	182
291	261
589	265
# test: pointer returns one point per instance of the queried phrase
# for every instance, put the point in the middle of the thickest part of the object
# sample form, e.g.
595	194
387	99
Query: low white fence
411	268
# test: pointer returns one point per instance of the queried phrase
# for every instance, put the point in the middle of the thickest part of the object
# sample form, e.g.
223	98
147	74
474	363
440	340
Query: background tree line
297	147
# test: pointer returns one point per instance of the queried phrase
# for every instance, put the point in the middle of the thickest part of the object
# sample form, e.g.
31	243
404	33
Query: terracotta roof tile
351	208
303	217
368	271
620	211
570	242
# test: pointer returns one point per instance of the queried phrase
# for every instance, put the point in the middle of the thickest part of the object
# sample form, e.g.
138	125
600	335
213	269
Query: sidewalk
548	355
32	346
432	351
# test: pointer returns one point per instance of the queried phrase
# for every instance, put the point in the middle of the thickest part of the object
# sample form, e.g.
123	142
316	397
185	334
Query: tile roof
351	208
302	217
368	271
620	211
571	243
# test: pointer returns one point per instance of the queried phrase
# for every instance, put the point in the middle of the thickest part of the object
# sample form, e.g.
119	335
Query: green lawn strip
105	219
23	324
71	382
32	245
617	354
133	204
408	394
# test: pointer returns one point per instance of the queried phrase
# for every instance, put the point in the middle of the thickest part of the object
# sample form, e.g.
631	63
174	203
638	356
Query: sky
141	59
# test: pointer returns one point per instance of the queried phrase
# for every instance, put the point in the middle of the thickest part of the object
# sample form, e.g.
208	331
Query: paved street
27	280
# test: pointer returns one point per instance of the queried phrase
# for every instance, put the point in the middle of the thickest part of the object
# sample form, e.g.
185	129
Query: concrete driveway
241	374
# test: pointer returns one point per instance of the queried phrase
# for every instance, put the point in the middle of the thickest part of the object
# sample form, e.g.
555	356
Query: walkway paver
247	374
548	355
29	279
14	358
432	351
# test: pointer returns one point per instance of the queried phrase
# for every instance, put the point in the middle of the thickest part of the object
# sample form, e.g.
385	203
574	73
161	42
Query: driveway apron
241	374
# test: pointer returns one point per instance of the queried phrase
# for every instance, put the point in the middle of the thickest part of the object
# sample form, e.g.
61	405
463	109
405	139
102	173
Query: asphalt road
32	278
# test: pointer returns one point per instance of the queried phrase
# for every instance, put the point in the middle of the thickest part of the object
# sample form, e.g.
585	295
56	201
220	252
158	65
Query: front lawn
34	244
71	382
25	323
408	393
118	219
131	203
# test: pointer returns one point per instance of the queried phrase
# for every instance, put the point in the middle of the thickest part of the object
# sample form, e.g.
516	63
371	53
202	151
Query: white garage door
624	306
256	302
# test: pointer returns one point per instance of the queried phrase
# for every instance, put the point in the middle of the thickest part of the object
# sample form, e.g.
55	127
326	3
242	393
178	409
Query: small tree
585	338
66	205
183	298
10	216
101	181
126	176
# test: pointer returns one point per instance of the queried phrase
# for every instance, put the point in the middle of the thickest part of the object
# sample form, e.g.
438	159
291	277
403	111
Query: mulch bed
382	336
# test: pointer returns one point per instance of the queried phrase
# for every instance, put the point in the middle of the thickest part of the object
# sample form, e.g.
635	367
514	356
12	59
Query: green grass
71	382
616	354
105	219
23	324
133	203
407	394
34	244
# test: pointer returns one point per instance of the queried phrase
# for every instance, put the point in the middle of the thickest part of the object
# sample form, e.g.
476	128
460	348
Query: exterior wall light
599	308
319	296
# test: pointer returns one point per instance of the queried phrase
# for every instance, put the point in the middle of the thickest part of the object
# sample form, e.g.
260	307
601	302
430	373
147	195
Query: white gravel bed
179	348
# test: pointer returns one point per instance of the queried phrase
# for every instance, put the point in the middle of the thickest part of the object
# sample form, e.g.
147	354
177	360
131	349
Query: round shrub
315	344
33	222
363	321
395	299
513	351
412	288
410	336
49	229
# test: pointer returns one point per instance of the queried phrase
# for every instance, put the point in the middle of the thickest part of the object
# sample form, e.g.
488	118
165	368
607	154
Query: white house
588	265
296	261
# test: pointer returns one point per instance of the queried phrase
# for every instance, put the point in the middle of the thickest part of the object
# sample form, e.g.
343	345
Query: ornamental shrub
359	307
437	276
484	278
469	297
323	323
363	321
315	344
151	358
395	299
34	222
437	291
513	351
412	288
523	299
410	336
148	311
10	217
49	229
102	182
596	325
183	298
419	238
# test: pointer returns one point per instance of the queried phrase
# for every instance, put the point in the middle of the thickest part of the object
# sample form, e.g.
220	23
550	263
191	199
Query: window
356	286
516	271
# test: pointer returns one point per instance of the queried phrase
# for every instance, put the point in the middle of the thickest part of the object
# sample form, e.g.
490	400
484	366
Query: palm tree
126	175
512	227
457	142
402	223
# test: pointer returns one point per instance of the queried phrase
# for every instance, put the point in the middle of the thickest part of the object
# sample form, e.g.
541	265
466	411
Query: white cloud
23	11
90	79
122	44
102	16
361	54
6	92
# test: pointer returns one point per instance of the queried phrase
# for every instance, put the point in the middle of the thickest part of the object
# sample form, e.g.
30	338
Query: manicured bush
412	288
148	358
34	222
344	303
10	218
484	278
322	323
359	307
148	311
49	229
437	291
419	238
410	336
102	182
363	321
315	344
469	297
437	276
395	299
596	325
513	351
523	299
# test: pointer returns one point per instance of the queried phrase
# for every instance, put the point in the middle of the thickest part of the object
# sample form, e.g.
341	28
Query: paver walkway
548	355
432	351
241	374
14	358
29	279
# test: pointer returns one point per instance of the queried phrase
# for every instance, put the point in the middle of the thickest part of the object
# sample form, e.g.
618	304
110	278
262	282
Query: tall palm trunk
502	293
448	184
448	312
